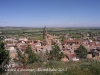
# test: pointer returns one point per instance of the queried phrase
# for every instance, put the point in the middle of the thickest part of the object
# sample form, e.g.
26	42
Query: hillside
83	67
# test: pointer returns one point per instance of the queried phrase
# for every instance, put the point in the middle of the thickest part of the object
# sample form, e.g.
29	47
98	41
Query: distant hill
11	27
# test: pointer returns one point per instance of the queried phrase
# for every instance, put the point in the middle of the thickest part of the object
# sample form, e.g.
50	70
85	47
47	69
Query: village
68	47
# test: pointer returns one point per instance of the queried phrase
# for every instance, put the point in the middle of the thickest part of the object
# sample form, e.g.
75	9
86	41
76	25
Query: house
98	38
89	56
71	42
64	59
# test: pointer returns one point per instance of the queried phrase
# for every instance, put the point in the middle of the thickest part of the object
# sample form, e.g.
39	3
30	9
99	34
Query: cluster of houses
68	49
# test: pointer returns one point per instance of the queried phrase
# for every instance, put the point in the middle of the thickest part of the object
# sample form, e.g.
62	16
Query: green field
37	33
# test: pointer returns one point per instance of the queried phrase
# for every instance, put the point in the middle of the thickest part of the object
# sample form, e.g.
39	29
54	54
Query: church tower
45	33
45	40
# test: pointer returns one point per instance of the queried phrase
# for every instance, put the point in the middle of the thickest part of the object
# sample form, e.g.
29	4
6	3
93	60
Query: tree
32	57
1	38
55	53
43	56
20	57
62	39
81	52
27	57
4	56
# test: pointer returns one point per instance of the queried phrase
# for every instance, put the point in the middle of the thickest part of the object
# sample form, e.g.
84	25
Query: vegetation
4	57
81	52
36	33
55	53
31	56
43	56
27	57
62	39
82	67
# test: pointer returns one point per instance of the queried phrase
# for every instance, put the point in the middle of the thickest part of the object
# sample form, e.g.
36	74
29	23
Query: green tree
43	56
32	57
62	39
20	57
55	53
81	52
4	56
26	57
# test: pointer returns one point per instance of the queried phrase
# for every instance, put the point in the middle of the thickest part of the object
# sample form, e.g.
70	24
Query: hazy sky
50	13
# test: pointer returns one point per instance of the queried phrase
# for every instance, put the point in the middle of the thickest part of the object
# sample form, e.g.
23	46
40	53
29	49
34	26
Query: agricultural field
37	33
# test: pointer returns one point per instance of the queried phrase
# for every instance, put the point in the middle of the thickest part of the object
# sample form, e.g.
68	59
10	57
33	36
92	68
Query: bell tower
45	40
45	33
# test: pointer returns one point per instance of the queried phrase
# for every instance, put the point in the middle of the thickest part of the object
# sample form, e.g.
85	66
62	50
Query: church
47	38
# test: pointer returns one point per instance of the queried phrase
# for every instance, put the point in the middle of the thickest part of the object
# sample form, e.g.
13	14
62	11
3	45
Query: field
37	33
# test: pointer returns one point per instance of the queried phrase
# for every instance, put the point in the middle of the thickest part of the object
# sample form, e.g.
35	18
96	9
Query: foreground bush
82	67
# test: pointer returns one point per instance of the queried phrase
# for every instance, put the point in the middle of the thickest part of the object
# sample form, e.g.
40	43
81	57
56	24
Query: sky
50	13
